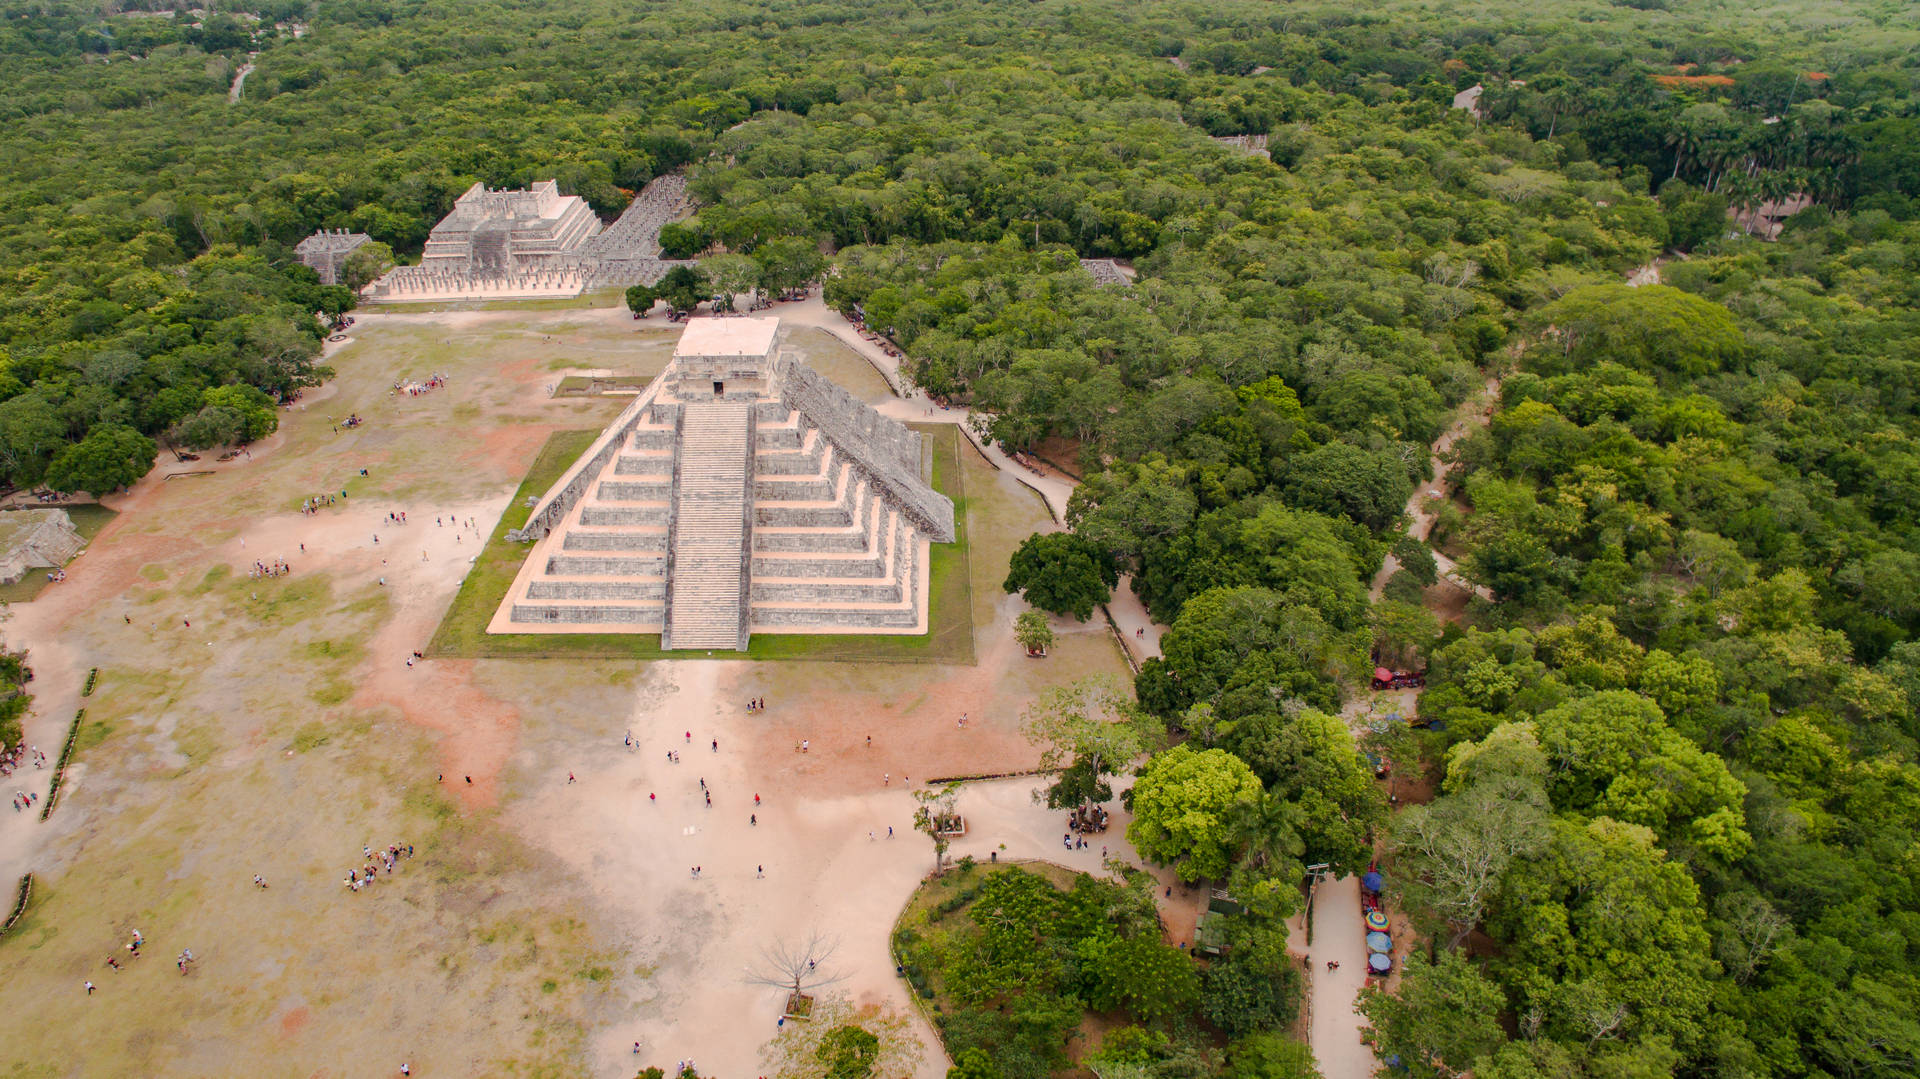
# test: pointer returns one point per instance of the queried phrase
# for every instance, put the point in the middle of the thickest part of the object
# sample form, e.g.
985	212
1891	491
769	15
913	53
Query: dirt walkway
1423	505
1339	933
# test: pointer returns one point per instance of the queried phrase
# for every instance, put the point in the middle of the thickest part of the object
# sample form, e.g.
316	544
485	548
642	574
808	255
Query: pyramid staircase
708	537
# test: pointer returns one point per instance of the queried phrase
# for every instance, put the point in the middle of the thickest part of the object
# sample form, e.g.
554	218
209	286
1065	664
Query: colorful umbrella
1376	921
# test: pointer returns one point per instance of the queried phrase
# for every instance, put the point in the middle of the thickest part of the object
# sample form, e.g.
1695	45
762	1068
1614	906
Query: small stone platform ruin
36	539
327	250
741	492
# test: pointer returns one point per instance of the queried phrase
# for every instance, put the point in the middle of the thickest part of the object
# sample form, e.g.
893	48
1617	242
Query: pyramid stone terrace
741	492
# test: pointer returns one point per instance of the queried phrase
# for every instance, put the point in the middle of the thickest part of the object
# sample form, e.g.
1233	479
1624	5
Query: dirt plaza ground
273	726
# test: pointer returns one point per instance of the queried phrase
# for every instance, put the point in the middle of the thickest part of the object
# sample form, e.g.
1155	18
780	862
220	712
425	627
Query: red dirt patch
294	1021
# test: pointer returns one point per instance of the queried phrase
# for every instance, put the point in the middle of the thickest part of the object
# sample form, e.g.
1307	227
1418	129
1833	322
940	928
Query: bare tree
797	966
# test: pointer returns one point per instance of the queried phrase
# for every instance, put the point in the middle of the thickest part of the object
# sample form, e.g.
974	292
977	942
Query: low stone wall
795	489
652	438
764	566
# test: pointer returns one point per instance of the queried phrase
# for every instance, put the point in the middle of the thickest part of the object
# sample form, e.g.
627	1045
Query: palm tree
1267	832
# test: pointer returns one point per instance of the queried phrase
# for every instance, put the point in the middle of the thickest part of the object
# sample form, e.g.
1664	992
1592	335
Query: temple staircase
707	551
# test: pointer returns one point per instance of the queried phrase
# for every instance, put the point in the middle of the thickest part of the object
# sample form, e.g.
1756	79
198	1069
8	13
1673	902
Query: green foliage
1062	573
1270	1056
1033	632
1089	730
974	1063
1183	807
14	698
1254	988
1443	1021
1016	961
683	287
641	298
848	1052
1142	975
110	457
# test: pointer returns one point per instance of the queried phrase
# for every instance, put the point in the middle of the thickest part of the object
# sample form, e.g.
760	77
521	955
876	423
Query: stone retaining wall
572	566
616	516
592	590
615	541
624	491
644	616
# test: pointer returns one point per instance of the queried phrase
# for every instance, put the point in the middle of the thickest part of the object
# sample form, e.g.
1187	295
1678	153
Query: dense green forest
1677	790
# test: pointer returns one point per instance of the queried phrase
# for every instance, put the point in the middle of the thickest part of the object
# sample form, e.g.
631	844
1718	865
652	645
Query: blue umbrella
1372	882
1379	942
1378	963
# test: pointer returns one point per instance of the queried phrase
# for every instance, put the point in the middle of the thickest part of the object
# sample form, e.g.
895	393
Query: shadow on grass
949	640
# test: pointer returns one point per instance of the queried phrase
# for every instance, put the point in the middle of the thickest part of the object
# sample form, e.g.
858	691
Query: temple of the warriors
741	492
536	244
505	232
327	251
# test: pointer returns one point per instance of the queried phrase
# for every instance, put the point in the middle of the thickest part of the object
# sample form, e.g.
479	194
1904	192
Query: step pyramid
741	491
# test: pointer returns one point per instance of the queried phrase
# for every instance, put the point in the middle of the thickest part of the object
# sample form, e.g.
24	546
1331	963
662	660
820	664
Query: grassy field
88	519
949	640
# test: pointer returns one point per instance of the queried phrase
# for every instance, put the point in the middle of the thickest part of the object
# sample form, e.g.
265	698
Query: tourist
89	988
753	818
716	745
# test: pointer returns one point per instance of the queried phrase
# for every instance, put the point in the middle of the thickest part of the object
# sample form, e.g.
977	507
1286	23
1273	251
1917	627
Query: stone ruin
505	232
537	243
740	492
327	251
35	539
1106	272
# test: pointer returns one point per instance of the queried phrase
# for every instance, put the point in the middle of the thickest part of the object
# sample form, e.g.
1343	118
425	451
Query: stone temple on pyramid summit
741	492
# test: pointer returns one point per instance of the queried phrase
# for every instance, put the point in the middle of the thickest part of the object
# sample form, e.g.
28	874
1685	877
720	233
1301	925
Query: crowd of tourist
10	758
276	568
415	389
363	875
